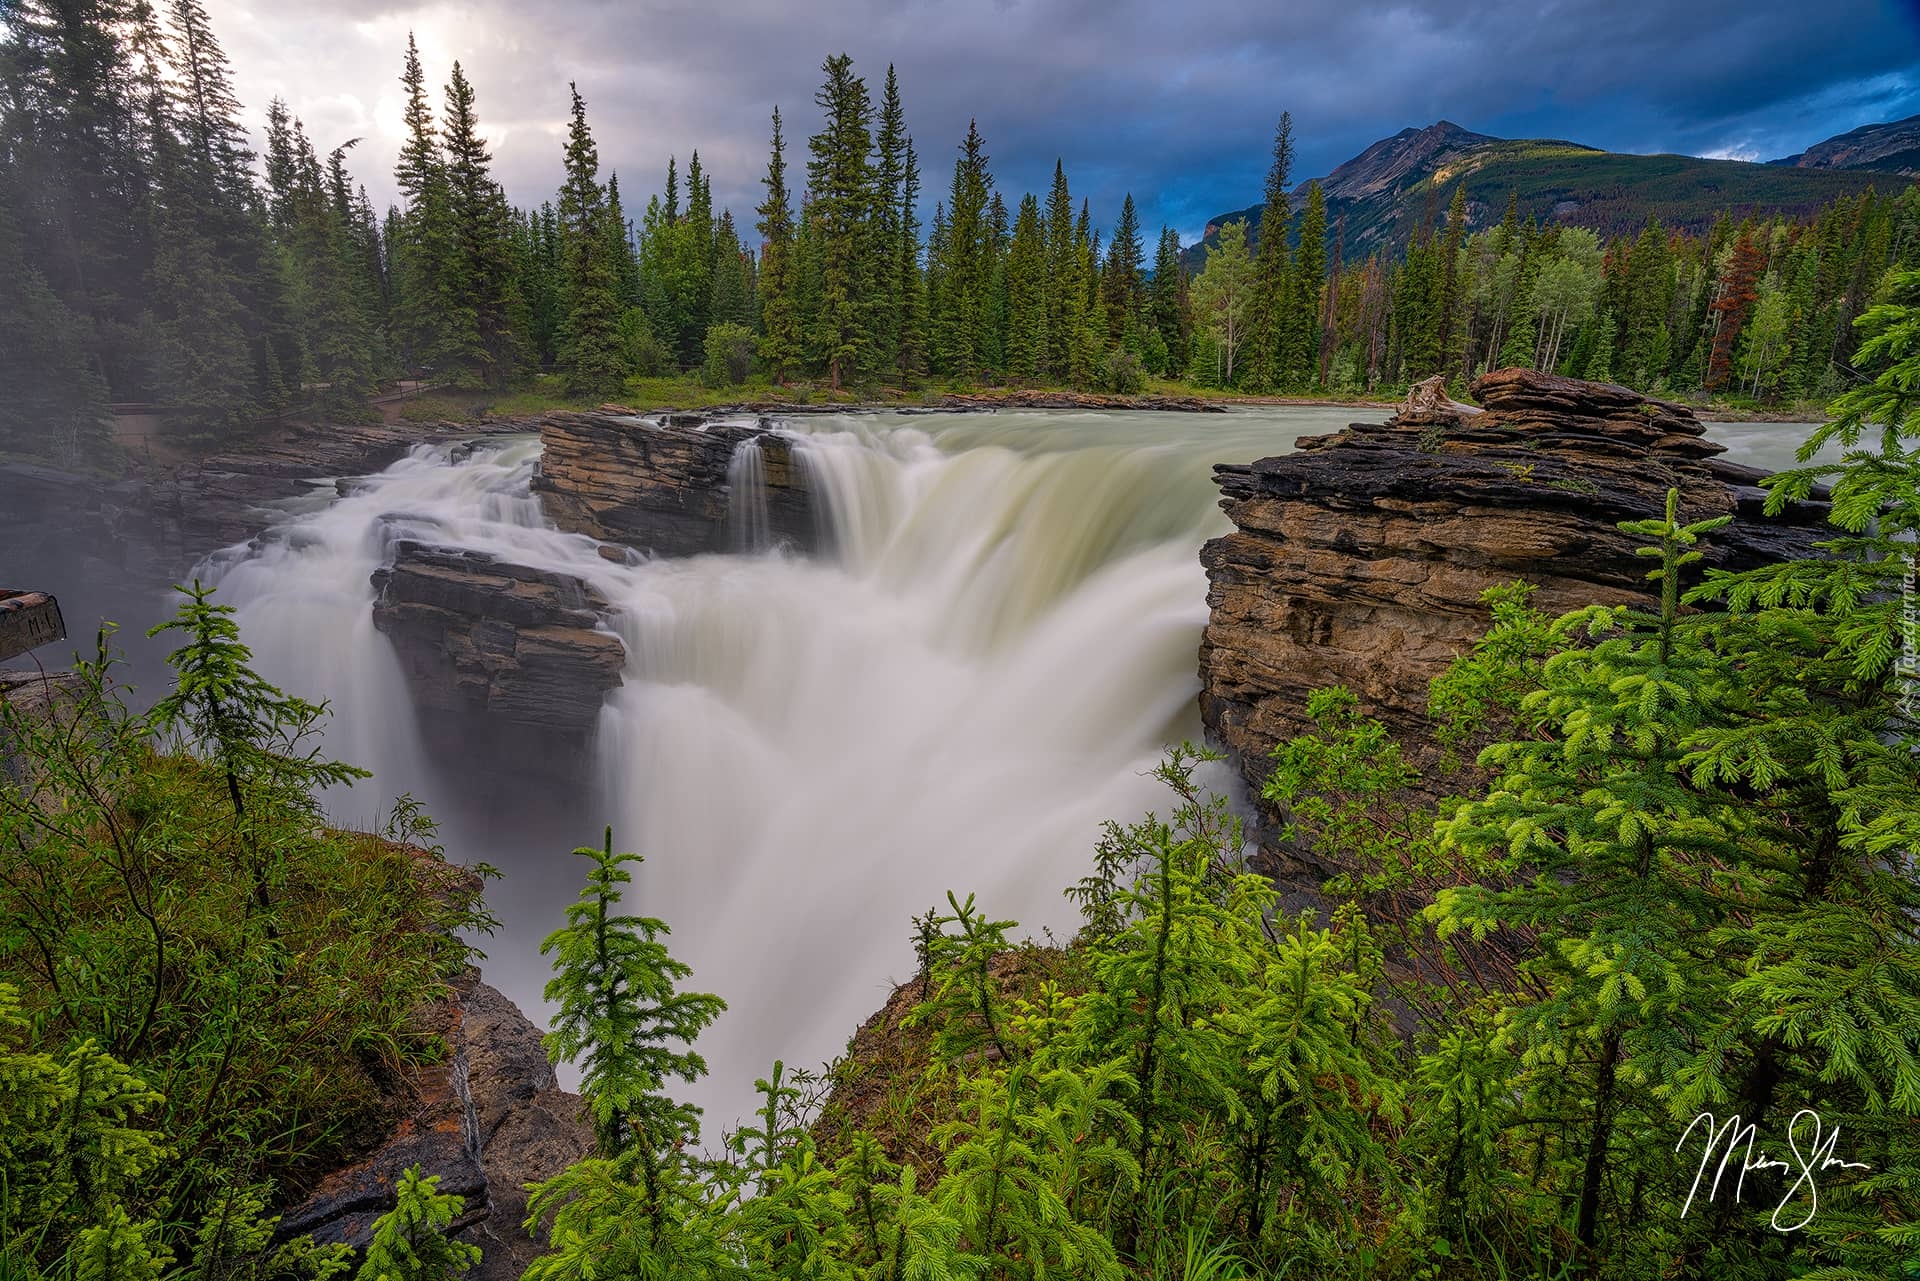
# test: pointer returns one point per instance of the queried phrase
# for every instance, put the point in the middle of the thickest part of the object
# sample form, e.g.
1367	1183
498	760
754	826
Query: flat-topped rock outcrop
663	484
1361	559
481	638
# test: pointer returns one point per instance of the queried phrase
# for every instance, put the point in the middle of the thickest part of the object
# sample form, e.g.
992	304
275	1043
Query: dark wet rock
488	1121
483	640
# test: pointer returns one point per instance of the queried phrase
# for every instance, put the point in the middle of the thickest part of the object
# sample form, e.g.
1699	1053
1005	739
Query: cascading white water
748	524
811	751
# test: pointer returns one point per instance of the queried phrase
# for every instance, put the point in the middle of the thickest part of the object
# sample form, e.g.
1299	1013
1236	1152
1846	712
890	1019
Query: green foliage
588	343
1224	296
207	990
729	355
410	1241
620	1014
1121	373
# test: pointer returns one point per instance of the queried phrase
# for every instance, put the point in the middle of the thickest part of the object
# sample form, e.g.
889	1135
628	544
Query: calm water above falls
809	752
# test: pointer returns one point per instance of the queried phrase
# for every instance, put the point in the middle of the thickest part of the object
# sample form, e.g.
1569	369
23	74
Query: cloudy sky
1175	103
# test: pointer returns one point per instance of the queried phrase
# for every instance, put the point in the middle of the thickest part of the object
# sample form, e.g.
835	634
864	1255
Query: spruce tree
912	351
1266	323
1123	285
1168	300
968	262
728	302
1062	276
1027	295
481	303
780	340
885	227
621	1016
410	1241
840	179
1306	279
421	242
588	344
1447	302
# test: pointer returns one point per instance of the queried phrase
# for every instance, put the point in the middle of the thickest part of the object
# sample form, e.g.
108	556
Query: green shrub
197	966
644	354
729	355
1121	373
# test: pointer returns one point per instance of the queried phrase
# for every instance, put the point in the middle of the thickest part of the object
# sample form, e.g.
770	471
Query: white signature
1730	1137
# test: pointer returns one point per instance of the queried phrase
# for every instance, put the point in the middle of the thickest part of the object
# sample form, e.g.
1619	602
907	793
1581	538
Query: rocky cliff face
479	638
662	485
1360	560
488	1121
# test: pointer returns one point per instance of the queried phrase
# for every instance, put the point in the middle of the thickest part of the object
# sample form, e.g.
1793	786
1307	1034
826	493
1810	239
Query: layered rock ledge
1360	560
662	485
480	639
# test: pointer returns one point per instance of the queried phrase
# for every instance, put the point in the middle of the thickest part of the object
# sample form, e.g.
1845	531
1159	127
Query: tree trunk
1596	1163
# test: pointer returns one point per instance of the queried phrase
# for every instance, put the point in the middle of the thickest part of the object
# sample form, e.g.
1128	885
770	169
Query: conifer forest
1525	888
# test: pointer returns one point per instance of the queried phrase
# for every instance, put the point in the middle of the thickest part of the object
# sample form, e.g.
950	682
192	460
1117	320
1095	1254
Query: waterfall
748	526
809	751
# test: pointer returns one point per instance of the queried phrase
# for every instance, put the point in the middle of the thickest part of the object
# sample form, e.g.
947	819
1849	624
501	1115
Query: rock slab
482	639
661	485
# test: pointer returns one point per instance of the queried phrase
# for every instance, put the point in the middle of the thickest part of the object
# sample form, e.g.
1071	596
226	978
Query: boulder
1360	560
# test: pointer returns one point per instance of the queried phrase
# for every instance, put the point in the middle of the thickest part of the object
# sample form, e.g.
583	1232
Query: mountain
1398	184
1893	147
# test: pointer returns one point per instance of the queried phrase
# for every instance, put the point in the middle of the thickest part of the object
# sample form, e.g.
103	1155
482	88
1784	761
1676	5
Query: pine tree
482	312
620	1013
780	341
840	180
1027	295
1124	285
588	344
1265	310
1306	279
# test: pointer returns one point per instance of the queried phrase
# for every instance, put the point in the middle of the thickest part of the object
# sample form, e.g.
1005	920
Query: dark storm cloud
1175	103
